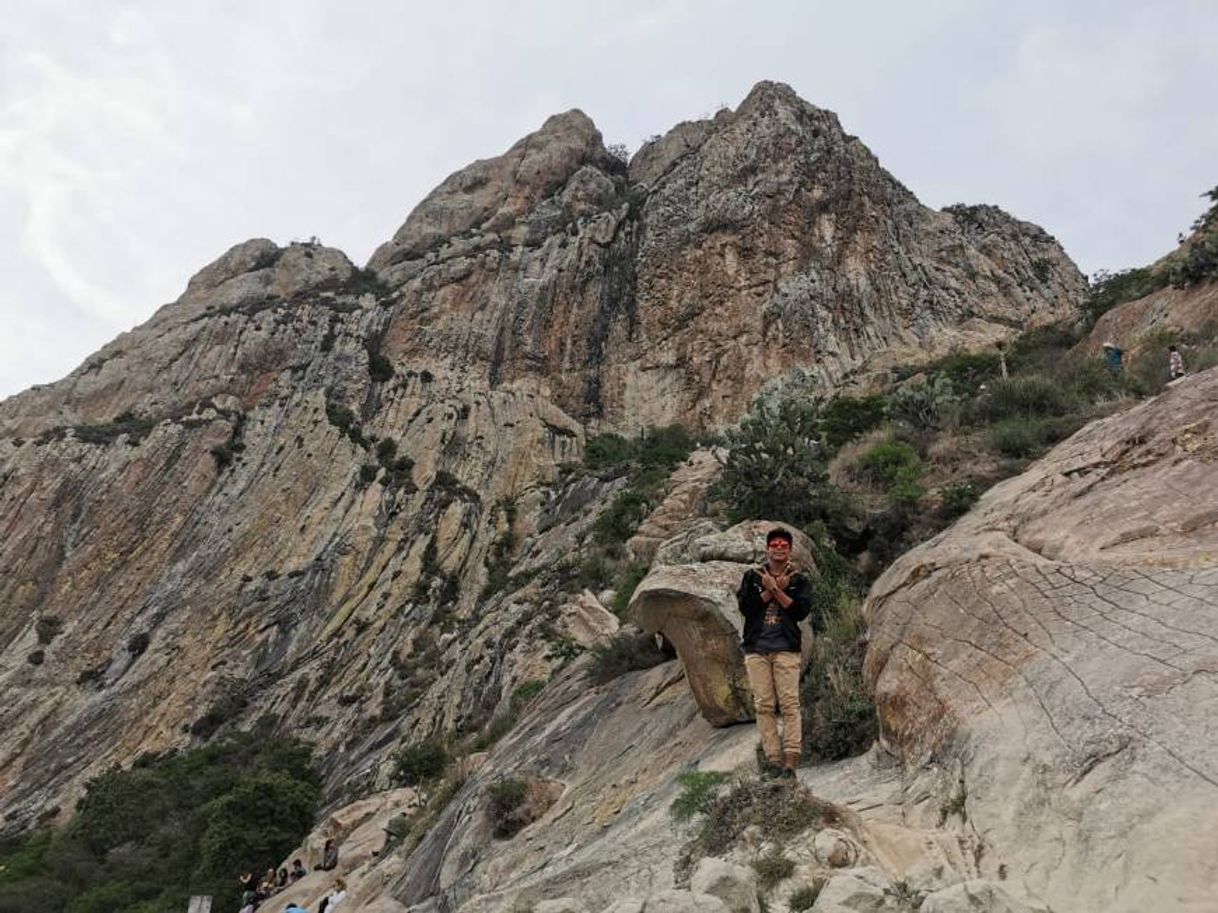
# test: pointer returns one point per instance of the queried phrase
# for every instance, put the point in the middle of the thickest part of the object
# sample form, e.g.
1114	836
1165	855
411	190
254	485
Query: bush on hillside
896	465
925	407
1199	261
1022	437
419	763
627	651
847	417
149	837
775	467
1110	289
1025	396
839	720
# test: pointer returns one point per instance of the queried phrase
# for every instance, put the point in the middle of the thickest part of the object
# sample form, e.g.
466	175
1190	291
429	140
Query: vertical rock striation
283	495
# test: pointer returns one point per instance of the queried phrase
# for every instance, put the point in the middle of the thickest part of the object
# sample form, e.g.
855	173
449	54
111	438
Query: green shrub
48	627
887	462
128	423
699	789
775	468
379	367
145	839
625	652
503	801
958	499
607	450
1110	289
622	517
665	447
925	407
969	370
1199	260
772	868
367	473
896	465
419	763
774	807
527	691
839	720
1030	395
624	586
1042	349
1028	437
847	417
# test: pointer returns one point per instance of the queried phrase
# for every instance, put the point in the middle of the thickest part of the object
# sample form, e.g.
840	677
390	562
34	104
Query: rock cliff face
1053	656
295	492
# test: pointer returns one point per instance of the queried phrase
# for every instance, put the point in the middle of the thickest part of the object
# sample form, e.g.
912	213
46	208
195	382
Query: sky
140	140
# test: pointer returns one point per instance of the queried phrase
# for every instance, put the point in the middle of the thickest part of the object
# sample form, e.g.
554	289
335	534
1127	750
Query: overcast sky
139	140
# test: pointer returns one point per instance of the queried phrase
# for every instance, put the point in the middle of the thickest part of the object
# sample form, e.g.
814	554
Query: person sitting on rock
774	599
335	897
1175	363
329	857
298	870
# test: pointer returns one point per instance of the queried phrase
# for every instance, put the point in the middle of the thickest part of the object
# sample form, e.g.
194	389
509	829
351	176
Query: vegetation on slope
145	839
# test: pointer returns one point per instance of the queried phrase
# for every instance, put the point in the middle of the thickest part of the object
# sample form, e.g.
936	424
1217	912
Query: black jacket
748	598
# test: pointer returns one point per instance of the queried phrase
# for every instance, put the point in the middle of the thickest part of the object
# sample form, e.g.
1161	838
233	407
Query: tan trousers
775	682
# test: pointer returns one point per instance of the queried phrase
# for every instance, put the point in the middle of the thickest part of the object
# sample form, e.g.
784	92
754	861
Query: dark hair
779	533
1171	348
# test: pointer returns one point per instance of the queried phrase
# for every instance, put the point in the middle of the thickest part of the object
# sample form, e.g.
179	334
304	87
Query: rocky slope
284	495
1052	658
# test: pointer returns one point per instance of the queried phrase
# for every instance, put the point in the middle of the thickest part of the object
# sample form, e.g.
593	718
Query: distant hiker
334	898
267	886
298	870
329	857
281	879
1175	363
773	599
1112	358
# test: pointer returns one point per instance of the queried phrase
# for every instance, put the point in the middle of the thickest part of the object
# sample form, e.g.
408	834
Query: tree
775	468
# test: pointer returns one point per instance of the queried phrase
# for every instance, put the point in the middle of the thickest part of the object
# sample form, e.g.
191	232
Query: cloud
138	139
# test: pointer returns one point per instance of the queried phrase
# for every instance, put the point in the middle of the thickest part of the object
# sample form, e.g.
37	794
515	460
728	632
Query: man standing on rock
774	599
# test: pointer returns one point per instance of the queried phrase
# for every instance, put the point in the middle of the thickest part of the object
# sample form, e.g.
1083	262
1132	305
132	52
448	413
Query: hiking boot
790	763
770	769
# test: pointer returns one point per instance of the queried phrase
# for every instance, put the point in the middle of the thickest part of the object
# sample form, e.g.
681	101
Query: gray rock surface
977	896
561	905
206	525
835	849
1051	661
857	891
683	902
735	885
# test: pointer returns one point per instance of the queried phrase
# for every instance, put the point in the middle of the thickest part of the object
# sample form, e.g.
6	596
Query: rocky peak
297	479
492	195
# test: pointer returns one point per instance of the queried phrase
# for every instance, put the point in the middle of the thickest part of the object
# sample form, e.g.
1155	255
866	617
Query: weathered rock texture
1054	654
331	495
1191	310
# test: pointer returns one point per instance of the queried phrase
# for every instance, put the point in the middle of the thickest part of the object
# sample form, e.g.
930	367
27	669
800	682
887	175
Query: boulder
977	896
693	605
835	849
859	891
1053	658
734	884
683	902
